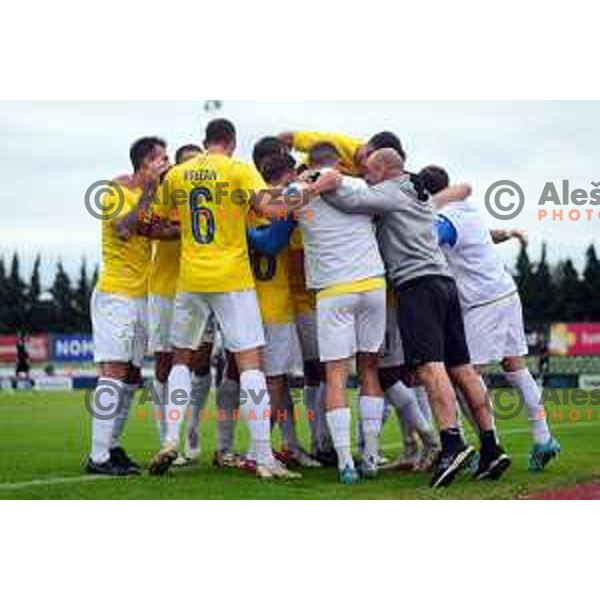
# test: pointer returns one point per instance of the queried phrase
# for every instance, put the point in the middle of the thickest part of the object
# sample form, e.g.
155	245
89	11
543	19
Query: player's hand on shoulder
328	181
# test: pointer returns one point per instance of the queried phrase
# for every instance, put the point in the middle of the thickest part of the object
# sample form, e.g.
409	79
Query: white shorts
392	351
236	313
306	326
350	324
495	331
282	350
119	326
160	320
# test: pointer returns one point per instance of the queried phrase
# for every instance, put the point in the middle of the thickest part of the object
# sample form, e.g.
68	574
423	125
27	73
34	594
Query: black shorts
431	322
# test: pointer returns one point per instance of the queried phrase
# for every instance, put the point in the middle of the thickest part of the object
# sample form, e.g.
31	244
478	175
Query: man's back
339	247
480	274
407	235
213	214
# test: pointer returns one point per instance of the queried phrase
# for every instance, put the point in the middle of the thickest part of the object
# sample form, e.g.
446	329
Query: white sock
108	394
324	441
340	423
200	391
228	400
310	400
405	400
180	390
524	382
254	404
424	406
159	409
371	416
288	425
123	416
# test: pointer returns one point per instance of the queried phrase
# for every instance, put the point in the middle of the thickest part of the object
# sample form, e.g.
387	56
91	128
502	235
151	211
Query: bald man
428	306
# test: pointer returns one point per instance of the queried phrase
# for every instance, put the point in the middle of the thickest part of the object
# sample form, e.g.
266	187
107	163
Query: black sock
488	441
451	440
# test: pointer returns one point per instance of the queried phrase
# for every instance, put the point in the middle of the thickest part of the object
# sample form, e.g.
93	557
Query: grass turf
44	438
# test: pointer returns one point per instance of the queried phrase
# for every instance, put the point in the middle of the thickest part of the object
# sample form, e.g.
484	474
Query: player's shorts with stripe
237	314
160	320
119	325
495	331
351	323
282	354
306	325
392	351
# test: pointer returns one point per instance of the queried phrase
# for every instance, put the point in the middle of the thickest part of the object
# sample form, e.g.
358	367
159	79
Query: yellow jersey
272	281
346	146
125	264
304	300
164	272
213	194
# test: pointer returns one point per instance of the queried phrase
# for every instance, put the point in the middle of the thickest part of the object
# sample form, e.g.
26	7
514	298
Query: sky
51	152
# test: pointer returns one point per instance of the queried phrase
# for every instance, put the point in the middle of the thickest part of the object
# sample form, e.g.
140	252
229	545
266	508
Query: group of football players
324	253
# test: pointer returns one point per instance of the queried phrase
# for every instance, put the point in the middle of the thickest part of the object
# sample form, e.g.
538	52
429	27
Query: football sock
288	424
123	416
371	417
451	440
310	401
107	396
424	406
180	390
255	406
340	422
228	401
200	390
405	400
159	409
324	441
531	395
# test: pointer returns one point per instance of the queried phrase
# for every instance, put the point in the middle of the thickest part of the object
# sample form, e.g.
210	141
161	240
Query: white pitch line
18	485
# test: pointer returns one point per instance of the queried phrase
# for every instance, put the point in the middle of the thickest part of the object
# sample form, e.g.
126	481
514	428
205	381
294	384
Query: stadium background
561	306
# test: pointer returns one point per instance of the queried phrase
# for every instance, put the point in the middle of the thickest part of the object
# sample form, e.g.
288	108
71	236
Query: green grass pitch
44	439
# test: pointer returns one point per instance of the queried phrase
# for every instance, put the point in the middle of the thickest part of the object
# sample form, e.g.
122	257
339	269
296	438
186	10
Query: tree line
549	292
25	306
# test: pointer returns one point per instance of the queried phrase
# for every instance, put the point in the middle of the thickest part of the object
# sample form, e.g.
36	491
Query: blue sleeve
447	234
273	238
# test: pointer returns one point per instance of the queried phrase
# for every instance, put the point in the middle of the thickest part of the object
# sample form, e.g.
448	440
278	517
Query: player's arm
447	233
453	193
350	199
303	141
129	225
499	236
273	238
158	229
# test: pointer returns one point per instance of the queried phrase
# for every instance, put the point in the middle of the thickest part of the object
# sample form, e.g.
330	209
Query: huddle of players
318	282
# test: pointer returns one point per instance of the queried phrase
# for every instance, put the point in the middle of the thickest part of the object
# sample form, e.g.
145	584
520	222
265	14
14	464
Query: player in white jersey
491	304
344	266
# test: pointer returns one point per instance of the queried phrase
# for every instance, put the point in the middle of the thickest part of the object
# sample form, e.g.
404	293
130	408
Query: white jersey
339	247
475	264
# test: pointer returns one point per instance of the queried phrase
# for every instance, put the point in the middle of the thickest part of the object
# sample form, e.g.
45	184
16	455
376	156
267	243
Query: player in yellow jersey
216	278
270	258
353	151
119	306
305	306
162	287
